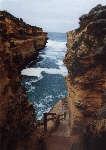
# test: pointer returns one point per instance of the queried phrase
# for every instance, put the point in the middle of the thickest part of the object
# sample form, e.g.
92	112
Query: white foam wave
32	72
62	67
56	44
38	71
29	83
54	49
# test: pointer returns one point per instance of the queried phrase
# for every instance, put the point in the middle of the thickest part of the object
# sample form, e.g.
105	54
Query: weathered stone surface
86	80
19	43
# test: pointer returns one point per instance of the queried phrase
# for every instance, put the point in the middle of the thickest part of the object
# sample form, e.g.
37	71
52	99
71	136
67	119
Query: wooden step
58	143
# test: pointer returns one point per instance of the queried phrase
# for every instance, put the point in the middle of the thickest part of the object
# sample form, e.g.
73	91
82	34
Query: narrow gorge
84	124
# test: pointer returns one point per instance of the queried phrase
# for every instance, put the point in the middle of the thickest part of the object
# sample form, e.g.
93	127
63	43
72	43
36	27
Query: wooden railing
45	120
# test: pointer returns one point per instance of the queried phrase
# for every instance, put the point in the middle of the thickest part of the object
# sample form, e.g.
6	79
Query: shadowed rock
86	80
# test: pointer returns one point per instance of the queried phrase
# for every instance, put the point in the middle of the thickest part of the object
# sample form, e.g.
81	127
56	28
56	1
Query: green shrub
89	43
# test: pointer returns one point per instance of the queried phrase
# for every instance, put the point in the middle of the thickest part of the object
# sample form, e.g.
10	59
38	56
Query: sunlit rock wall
19	43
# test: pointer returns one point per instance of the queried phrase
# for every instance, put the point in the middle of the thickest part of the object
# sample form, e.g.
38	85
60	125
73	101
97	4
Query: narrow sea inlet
44	80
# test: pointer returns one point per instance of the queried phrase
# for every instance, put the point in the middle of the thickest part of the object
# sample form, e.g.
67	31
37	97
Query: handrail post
45	122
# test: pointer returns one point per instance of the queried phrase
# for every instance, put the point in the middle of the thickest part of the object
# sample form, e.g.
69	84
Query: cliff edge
19	43
86	81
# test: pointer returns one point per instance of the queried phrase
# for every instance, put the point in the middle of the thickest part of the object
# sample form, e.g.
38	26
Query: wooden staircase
60	139
58	143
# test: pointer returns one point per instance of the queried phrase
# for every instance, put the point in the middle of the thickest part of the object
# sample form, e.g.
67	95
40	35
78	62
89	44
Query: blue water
44	80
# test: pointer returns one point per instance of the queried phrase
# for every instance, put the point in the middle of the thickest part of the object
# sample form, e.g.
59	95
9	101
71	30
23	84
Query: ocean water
44	80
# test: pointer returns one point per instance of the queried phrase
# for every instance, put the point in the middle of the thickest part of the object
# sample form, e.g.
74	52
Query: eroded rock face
19	43
86	80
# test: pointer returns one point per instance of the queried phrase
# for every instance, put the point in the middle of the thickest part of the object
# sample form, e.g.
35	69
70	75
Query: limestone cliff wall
86	80
19	43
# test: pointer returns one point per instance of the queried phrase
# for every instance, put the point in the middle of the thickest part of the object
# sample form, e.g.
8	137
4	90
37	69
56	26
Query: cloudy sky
52	15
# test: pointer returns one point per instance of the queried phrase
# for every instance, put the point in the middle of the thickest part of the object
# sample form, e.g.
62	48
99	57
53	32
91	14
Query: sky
51	15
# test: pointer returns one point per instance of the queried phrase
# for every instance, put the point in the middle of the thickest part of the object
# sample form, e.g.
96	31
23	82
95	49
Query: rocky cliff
19	43
86	81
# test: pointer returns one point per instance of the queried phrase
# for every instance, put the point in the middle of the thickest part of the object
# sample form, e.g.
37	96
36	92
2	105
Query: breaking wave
45	81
